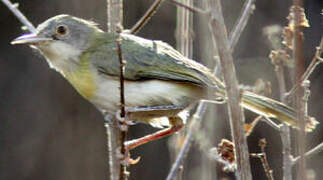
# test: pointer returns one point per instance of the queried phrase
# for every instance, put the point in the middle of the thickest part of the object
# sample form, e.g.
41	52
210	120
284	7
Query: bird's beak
30	39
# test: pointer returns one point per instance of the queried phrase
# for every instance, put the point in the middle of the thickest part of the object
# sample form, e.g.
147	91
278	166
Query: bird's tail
273	109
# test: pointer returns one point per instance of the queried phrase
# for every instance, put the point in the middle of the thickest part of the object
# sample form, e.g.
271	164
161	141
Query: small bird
160	83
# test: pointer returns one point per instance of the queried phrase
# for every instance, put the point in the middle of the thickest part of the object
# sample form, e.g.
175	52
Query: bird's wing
147	59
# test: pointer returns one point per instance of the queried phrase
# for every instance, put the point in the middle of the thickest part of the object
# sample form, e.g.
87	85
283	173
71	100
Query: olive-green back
147	59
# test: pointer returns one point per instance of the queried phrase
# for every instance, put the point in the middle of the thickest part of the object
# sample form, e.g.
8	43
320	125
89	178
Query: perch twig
22	18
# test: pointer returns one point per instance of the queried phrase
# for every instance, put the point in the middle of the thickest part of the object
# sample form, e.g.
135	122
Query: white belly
145	93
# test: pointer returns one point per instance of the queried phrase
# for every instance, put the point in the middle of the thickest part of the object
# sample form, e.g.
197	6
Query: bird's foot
125	158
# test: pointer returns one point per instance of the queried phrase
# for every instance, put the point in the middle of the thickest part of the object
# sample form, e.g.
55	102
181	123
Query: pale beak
30	39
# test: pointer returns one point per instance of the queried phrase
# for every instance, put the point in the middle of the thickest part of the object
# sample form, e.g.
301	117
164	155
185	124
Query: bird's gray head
61	38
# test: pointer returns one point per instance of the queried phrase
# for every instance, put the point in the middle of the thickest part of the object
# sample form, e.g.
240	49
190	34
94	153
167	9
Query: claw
125	159
119	118
129	161
124	120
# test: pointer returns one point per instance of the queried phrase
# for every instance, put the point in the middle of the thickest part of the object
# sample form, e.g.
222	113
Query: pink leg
151	137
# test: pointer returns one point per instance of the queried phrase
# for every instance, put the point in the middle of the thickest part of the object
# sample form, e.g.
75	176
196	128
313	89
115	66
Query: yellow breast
83	79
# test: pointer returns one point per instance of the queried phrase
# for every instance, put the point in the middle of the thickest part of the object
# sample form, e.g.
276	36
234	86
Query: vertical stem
195	121
279	70
184	44
114	14
248	9
264	160
235	111
207	134
184	30
194	124
286	150
123	124
299	62
114	18
285	129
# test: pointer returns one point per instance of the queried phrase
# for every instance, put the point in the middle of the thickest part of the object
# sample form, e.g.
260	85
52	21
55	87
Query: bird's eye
61	30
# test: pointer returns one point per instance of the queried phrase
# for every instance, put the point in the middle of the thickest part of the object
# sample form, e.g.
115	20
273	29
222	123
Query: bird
161	84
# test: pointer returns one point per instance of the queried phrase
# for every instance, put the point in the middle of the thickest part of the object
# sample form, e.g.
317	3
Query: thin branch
279	70
266	120
317	149
315	61
184	31
298	48
198	115
272	124
114	14
112	132
263	157
265	164
252	125
114	18
194	124
152	10
21	17
145	18
248	8
185	46
188	7
286	150
278	58
123	124
283	128
121	75
236	115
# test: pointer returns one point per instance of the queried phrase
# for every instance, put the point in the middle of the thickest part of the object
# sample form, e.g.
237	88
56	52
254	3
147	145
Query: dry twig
287	152
317	149
193	126
284	129
184	44
263	157
250	127
114	13
236	114
123	125
315	61
145	18
188	7
248	8
152	10
278	58
195	121
298	48
14	9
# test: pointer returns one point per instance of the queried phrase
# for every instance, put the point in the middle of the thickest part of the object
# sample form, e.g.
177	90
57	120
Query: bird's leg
176	125
146	113
143	114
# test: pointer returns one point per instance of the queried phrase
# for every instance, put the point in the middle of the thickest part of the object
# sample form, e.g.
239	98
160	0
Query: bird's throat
83	78
74	66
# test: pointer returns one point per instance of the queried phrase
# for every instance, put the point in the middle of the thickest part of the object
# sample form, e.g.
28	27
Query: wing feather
147	59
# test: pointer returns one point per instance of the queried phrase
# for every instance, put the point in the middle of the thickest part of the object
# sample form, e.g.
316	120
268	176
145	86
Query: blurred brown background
47	131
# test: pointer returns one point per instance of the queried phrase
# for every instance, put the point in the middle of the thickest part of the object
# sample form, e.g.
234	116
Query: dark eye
61	30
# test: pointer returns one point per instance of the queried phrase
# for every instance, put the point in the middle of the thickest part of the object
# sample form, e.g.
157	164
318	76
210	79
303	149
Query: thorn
16	5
